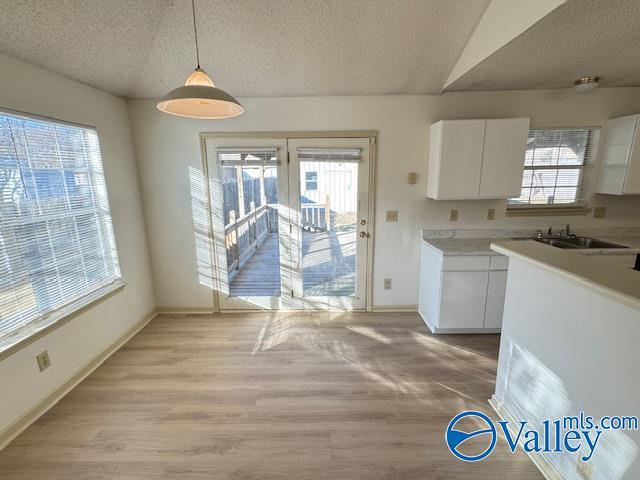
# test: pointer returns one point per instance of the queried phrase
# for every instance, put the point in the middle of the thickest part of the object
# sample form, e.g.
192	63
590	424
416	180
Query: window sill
12	344
546	211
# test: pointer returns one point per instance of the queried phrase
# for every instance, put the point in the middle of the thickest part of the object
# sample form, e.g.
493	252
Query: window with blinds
56	238
557	168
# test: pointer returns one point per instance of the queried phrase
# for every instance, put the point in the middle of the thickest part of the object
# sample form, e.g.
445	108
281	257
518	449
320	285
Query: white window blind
56	237
247	156
557	168
329	154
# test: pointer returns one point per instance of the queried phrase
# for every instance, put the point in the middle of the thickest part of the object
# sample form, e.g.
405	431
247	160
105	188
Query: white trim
25	335
35	116
394	308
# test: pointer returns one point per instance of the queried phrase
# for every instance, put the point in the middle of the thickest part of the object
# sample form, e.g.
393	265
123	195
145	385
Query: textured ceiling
580	37
143	48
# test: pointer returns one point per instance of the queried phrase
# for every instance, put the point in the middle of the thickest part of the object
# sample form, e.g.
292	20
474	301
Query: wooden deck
328	264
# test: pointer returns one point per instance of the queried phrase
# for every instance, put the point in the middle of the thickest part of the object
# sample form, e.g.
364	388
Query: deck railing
316	216
244	235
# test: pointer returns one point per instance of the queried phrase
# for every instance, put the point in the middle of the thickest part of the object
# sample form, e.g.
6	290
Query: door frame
285	135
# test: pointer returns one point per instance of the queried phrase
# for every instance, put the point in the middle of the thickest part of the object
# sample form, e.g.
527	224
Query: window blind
56	237
228	157
557	168
329	154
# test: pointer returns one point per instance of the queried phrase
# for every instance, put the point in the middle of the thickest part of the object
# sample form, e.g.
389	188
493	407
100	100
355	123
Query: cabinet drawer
499	262
465	263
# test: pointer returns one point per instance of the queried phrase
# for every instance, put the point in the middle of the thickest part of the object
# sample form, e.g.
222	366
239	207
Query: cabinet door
459	160
617	152
505	141
495	299
463	299
632	179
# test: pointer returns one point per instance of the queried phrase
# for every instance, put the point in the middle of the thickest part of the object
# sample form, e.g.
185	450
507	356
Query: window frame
307	181
46	322
585	185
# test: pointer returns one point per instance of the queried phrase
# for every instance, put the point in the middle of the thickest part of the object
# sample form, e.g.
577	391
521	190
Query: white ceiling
597	37
143	48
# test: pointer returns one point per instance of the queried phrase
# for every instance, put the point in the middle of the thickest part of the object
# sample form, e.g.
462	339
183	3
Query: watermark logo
578	434
456	437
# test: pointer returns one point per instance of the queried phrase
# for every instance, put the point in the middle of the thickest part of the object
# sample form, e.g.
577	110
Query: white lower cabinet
463	300
461	294
495	299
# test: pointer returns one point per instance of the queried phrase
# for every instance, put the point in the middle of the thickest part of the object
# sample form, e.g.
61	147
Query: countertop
482	246
606	278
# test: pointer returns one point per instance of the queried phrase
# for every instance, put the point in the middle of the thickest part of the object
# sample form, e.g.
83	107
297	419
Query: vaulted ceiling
144	48
580	37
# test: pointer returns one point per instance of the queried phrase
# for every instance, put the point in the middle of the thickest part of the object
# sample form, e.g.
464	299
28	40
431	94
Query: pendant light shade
199	98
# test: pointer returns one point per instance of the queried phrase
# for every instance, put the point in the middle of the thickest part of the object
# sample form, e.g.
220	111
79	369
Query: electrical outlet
413	178
43	361
387	284
392	215
491	214
599	212
453	215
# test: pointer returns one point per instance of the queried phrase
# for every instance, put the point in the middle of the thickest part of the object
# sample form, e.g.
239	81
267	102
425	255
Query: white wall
31	89
167	147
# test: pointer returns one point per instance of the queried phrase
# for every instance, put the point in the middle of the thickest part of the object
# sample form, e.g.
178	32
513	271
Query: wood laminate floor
271	396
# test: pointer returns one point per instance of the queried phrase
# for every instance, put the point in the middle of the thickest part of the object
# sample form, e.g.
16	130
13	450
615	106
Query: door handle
364	234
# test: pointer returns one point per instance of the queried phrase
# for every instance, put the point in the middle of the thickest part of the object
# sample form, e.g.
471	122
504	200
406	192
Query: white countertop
606	278
482	246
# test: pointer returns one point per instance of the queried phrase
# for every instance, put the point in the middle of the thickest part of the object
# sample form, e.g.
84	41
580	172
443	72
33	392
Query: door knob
364	235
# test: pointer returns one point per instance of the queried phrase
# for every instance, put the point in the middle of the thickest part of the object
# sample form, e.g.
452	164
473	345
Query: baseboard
171	310
181	310
21	424
546	468
395	308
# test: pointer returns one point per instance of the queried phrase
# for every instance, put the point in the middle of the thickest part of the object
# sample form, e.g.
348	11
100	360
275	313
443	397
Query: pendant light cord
195	31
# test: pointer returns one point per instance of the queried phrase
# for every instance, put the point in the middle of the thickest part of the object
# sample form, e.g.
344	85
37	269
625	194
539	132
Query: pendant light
199	98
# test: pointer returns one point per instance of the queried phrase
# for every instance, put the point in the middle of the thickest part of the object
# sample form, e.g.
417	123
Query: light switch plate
43	361
392	215
599	212
387	284
453	215
413	178
491	214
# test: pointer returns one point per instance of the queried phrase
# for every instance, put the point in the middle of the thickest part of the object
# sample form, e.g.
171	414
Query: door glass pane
328	204
250	206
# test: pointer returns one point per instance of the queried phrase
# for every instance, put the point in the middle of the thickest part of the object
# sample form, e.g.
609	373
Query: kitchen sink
556	242
577	242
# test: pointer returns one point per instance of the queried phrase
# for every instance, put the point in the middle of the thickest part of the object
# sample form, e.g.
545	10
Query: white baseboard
21	424
547	469
182	310
395	308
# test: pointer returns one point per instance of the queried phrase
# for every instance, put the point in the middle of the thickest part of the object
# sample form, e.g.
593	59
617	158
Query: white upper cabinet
505	141
471	159
621	164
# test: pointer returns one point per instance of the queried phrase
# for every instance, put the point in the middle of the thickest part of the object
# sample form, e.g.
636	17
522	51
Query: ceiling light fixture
586	84
199	98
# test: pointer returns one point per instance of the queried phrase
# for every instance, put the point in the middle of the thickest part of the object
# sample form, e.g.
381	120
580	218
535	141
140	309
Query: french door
290	221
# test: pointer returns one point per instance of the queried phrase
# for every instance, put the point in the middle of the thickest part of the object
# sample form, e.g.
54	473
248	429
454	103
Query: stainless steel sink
556	242
577	242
